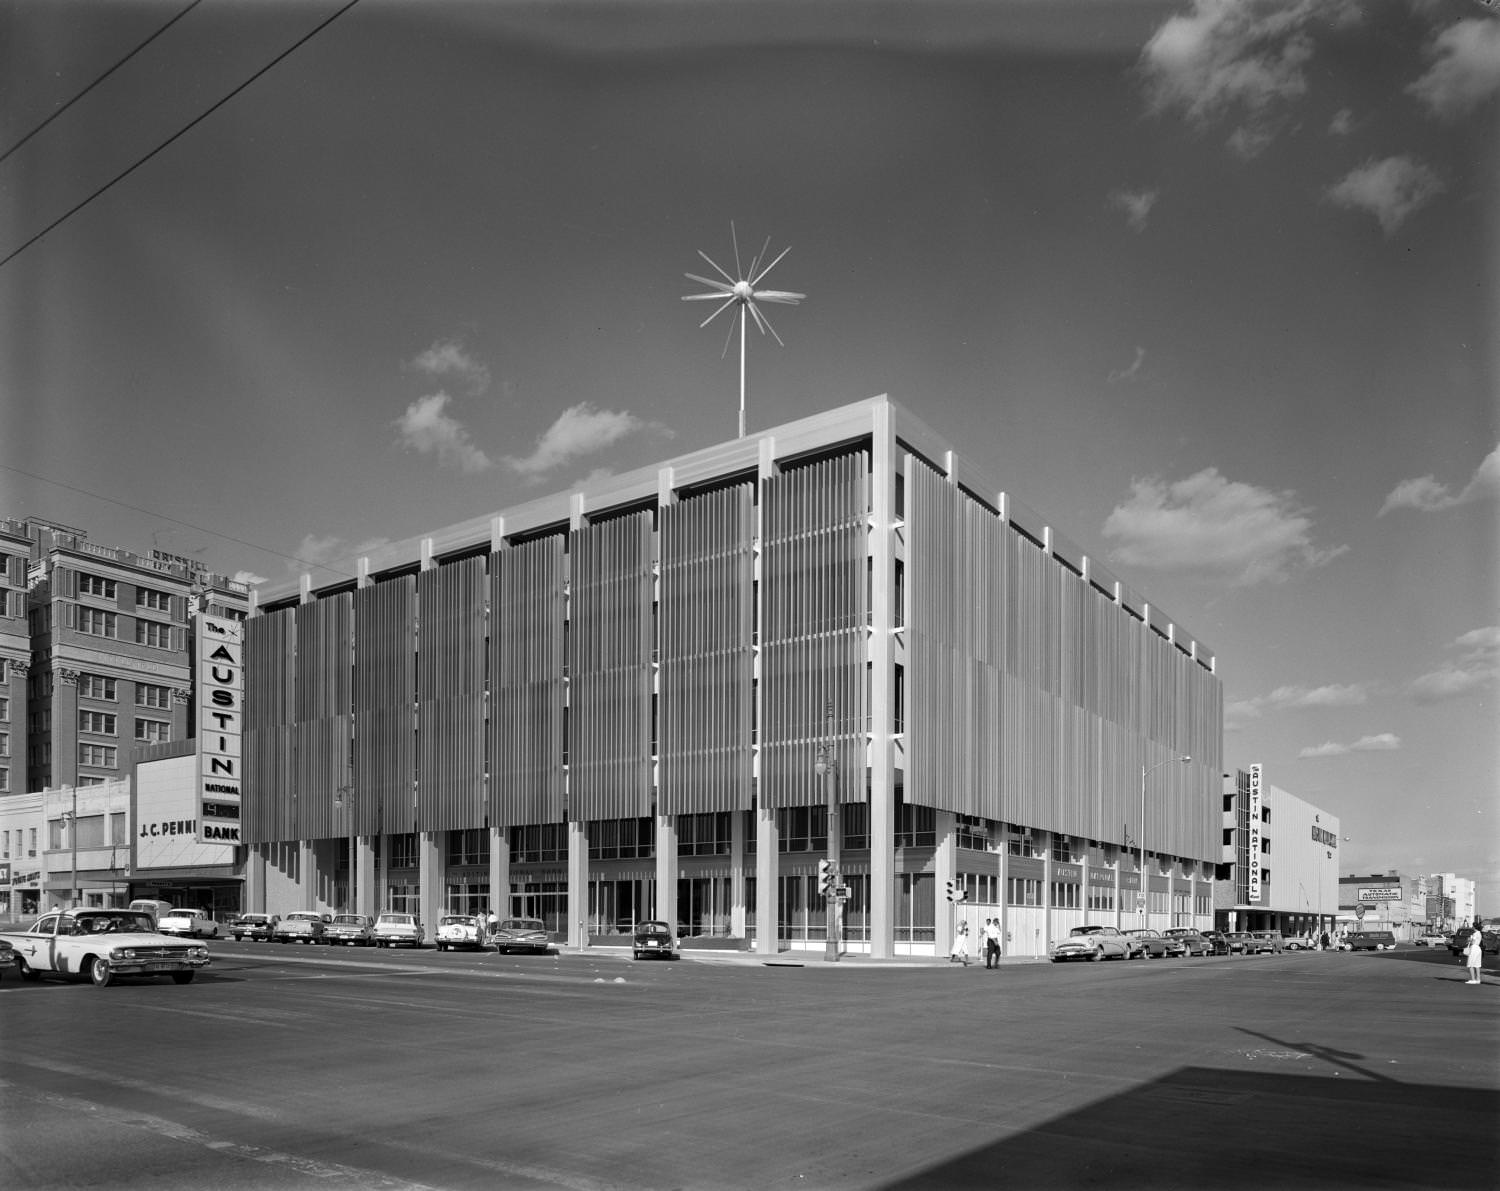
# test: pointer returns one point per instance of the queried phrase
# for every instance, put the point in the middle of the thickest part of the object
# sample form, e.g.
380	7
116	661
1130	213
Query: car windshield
305	917
117	923
396	919
1085	930
348	920
522	924
458	920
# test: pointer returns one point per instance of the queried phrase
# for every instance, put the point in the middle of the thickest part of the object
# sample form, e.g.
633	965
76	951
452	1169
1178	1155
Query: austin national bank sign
221	702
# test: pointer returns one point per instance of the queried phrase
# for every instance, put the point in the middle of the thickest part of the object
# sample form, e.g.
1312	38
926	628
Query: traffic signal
828	878
957	892
950	891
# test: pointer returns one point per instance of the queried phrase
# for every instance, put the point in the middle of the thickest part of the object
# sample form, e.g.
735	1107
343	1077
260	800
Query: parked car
1299	942
301	926
394	929
193	924
522	934
460	930
1458	941
350	930
1430	938
7	956
1218	940
1155	944
1093	943
1193	942
1238	942
256	927
1266	942
1368	940
653	939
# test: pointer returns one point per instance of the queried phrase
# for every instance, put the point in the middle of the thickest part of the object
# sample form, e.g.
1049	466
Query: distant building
1385	901
98	650
1280	863
1451	901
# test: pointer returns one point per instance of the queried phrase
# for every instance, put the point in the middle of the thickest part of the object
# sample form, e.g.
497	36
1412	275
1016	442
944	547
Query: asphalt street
299	1067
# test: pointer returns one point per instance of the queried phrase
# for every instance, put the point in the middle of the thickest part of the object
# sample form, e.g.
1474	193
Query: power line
188	127
100	79
175	520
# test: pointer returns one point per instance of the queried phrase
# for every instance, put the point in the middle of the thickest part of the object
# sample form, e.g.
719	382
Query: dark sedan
521	934
1193	942
653	939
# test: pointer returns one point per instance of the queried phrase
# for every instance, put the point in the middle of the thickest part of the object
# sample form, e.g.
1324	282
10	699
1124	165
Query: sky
1210	285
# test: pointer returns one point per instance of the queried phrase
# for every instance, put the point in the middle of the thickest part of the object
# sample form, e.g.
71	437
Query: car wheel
99	972
1097	955
183	977
27	972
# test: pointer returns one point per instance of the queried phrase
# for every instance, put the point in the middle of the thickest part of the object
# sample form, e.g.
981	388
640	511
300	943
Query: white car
194	924
1431	939
393	929
461	930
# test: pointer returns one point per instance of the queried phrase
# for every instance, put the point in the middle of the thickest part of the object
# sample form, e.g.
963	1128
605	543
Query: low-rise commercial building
672	693
1279	868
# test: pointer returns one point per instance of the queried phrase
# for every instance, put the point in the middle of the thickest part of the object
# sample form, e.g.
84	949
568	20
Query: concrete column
884	617
254	900
945	869
364	875
310	880
500	871
1004	891
666	870
578	884
767	869
737	874
1049	928
431	880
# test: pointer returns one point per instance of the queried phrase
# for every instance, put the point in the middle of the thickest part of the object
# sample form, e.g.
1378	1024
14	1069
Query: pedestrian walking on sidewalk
960	950
991	942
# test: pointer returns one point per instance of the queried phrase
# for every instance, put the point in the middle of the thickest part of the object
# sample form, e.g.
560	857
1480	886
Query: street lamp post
827	768
1142	828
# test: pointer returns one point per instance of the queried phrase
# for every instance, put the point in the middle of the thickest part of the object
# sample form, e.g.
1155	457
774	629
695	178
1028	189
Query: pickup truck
100	945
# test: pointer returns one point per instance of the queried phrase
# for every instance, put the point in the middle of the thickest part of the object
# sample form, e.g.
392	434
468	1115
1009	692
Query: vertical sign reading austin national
1252	861
221	697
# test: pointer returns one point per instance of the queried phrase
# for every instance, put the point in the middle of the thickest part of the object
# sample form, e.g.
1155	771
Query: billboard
221	697
1379	893
1252	860
168	830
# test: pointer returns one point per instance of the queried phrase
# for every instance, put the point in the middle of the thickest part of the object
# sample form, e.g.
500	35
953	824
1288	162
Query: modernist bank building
653	696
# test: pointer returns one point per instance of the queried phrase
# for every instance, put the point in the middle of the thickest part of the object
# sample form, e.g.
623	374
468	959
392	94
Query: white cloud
318	551
448	358
1392	189
1135	366
1242	59
1465	69
1342	123
1213	527
1428	495
1474	670
249	578
1293	698
1382	742
580	430
427	428
1136	204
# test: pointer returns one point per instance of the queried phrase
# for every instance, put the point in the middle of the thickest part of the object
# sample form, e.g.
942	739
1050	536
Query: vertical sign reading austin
221	697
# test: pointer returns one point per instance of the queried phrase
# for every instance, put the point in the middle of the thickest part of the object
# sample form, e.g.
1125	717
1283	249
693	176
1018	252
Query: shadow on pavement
1205	1128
